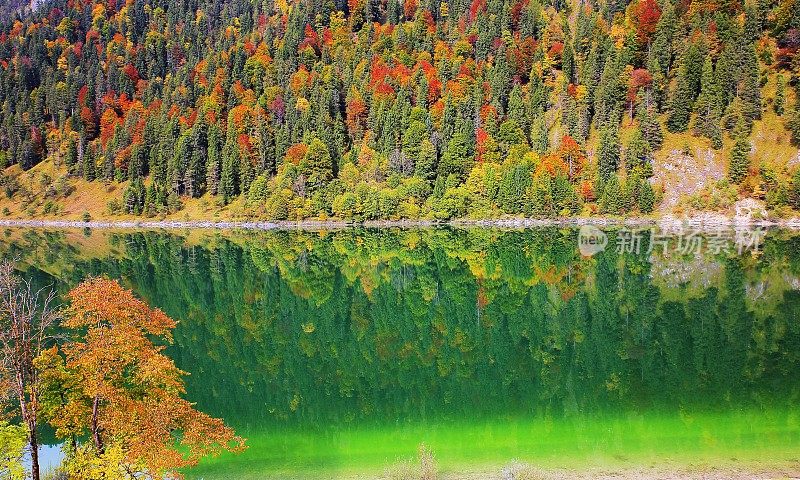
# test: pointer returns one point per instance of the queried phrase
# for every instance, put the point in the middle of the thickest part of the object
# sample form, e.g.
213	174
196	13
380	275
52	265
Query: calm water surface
338	353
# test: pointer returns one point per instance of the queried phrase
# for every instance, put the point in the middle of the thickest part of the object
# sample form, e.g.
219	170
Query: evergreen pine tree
426	165
608	152
794	125
707	121
150	200
568	62
638	155
610	93
680	103
89	167
647	198
661	46
649	124
569	113
516	108
611	201
214	161
780	94
514	183
229	174
750	88
500	81
456	158
733	116
537	97
539	135
71	157
740	156
413	137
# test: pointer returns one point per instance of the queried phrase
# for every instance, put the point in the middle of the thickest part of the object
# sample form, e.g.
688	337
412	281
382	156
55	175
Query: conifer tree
638	155
413	138
661	46
500	81
749	87
150	200
611	201
539	135
681	102
456	157
780	94
649	125
733	116
568	62
537	97
740	156
516	108
514	183
610	93
608	152
794	125
214	163
426	163
88	169
71	158
647	198
229	174
707	110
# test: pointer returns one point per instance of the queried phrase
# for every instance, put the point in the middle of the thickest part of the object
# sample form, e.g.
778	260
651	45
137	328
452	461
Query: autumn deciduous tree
13	439
115	387
27	318
647	13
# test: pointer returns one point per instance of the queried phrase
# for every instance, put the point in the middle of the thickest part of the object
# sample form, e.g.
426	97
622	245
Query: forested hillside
387	109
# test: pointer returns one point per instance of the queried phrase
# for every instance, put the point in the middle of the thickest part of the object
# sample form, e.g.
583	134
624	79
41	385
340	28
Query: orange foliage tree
114	386
572	155
647	14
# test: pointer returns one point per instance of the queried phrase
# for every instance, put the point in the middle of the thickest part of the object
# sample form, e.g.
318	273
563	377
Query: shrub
113	207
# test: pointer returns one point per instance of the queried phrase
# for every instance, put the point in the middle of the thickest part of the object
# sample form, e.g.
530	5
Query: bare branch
28	319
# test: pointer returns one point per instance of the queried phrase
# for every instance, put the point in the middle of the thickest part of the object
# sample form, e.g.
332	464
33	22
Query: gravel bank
699	222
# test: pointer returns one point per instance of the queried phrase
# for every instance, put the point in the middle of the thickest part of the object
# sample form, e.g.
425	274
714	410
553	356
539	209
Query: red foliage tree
410	8
639	78
647	13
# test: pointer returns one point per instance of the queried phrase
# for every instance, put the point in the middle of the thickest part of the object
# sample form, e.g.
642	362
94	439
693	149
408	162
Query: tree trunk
98	443
34	444
28	413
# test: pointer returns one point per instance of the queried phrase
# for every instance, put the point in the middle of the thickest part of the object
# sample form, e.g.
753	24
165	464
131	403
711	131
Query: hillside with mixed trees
386	109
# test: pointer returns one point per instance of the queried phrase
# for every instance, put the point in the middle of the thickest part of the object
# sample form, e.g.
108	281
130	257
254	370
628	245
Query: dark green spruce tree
740	155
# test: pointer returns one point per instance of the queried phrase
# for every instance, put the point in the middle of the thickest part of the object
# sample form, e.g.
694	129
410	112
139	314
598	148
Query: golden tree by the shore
114	386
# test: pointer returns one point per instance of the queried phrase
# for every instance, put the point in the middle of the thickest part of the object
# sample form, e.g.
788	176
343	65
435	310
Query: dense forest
386	109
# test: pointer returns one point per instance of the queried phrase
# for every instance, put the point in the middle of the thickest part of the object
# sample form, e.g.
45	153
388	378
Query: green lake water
338	353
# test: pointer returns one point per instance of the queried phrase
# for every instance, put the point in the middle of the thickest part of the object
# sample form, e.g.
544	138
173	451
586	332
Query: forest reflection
330	328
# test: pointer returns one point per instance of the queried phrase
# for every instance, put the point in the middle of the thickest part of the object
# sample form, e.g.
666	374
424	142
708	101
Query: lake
338	353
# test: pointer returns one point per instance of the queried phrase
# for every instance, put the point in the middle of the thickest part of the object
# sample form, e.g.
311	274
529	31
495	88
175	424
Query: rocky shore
704	222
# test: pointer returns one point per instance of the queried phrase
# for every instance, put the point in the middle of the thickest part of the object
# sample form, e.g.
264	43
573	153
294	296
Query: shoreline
700	222
702	471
